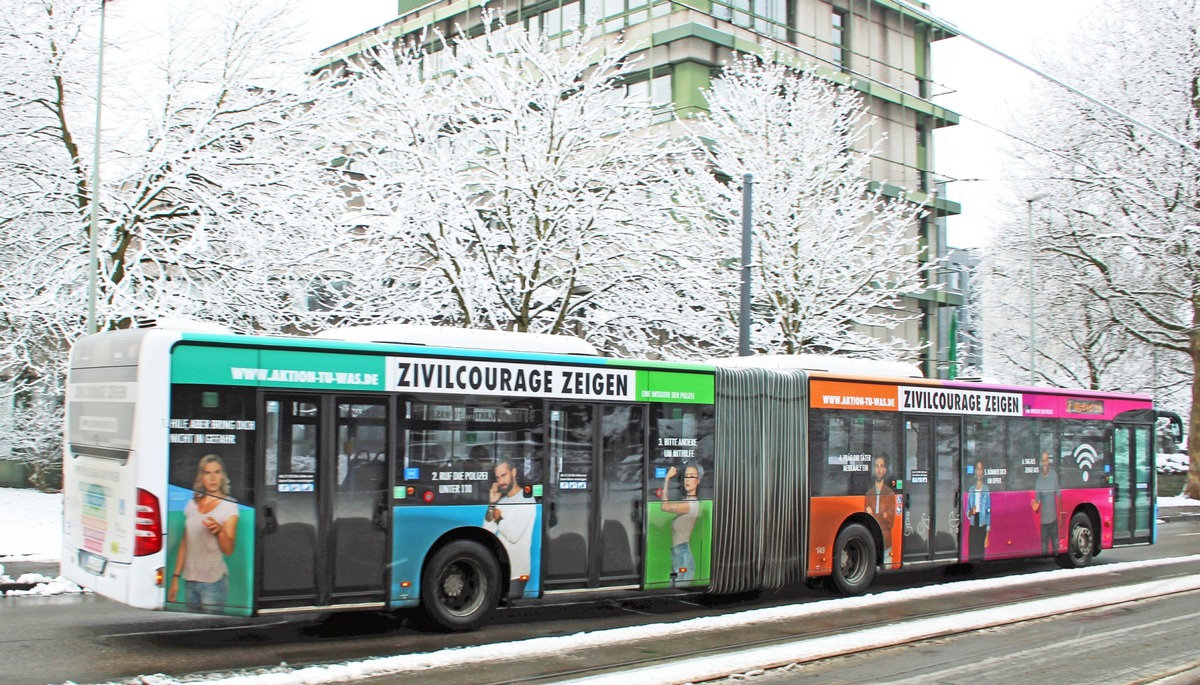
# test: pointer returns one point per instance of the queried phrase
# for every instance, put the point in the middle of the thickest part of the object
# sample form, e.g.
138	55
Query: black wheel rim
461	587
1081	543
853	561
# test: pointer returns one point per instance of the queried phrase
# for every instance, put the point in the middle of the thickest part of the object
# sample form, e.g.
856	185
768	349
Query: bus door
594	495
323	514
932	460
1133	483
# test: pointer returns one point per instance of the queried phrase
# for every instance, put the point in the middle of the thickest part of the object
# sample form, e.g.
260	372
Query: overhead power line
1099	103
1129	181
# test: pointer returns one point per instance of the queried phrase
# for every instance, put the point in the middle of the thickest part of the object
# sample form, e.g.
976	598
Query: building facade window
556	21
658	91
839	38
765	17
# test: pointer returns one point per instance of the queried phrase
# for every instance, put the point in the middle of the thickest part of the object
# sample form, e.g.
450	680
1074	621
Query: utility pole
1032	287
94	229
744	312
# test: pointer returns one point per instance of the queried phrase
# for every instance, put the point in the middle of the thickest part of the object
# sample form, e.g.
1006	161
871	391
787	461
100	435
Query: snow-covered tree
1077	341
211	202
1125	199
509	182
832	257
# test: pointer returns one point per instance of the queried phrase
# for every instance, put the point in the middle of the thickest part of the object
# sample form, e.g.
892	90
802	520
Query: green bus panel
268	368
341	371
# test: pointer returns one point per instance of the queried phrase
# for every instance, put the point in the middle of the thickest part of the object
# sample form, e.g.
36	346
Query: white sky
984	86
324	22
31	532
333	21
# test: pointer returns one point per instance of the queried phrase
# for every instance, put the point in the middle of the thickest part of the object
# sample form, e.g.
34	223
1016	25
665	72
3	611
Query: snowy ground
32	523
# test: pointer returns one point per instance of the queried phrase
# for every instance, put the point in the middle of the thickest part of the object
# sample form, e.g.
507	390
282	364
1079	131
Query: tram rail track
818	625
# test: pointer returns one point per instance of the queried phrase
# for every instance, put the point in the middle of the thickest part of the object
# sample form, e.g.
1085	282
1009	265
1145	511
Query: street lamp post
744	308
93	229
1032	319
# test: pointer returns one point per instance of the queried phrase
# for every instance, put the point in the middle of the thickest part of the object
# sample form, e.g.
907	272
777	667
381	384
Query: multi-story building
964	339
880	48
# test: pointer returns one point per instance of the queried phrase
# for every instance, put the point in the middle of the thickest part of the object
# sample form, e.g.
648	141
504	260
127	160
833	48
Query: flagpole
94	231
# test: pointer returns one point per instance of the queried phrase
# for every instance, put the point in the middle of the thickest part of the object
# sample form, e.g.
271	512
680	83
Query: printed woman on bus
687	512
210	535
979	515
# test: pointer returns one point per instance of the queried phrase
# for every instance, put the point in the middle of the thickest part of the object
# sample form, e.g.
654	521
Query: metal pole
1032	318
94	231
744	313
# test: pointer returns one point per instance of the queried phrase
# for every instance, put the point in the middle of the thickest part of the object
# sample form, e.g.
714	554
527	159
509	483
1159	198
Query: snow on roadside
551	646
32	532
32	529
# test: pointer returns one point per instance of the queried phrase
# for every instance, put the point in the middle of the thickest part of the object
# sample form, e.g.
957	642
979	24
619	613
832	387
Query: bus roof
462	338
825	363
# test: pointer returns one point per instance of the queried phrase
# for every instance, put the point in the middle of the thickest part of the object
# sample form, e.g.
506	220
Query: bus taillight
147	532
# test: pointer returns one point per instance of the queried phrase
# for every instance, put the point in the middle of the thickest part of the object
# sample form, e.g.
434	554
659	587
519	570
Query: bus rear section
936	472
112	528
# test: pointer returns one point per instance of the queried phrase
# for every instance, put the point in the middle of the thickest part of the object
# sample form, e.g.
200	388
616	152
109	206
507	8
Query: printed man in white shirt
510	516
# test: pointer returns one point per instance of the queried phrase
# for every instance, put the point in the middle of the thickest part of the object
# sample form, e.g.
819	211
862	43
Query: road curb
1178	514
1188	675
802	650
13	571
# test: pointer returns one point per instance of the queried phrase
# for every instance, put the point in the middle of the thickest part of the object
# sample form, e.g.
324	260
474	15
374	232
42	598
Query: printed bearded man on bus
510	516
880	502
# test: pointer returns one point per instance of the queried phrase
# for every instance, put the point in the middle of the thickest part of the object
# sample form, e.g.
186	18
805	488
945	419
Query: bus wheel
460	587
1079	543
854	560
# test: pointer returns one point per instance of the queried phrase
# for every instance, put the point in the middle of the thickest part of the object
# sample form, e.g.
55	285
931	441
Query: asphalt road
87	639
1151	640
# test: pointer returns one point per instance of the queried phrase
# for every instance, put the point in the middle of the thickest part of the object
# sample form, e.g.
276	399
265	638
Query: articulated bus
457	471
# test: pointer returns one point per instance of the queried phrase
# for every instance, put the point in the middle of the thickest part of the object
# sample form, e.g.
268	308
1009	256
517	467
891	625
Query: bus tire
1081	538
853	560
460	587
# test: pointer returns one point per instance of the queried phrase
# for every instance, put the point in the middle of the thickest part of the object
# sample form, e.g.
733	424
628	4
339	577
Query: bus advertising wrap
923	399
607	380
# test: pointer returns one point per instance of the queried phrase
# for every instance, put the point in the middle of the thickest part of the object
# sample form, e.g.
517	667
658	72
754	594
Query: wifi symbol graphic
1085	459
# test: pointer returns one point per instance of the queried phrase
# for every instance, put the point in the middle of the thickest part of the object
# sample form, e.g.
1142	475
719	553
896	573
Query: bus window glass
450	448
622	432
100	411
362	442
1085	458
844	446
571	448
681	435
986	438
1023	454
209	420
298	462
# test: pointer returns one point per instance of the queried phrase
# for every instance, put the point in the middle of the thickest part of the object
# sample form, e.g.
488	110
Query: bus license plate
92	563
